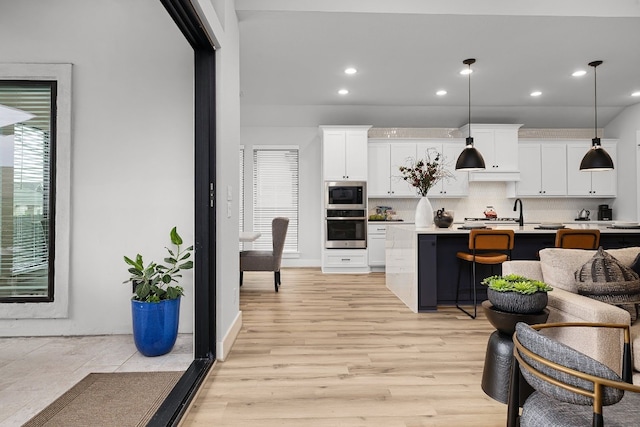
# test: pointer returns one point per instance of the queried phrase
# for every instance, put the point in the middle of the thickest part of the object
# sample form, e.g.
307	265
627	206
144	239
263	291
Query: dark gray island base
436	265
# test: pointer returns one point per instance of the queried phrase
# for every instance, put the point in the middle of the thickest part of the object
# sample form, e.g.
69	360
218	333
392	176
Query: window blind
275	194
25	207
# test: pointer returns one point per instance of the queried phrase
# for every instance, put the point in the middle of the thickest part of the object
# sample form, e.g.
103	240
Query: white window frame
59	307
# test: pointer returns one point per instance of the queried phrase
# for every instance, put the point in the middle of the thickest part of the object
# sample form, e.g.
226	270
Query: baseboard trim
224	346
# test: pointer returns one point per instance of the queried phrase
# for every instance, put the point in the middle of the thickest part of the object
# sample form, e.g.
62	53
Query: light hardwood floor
342	350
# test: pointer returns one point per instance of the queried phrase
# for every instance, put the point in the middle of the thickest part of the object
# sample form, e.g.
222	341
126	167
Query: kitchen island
422	267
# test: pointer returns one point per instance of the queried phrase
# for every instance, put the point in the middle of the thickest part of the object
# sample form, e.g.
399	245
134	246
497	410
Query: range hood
490	176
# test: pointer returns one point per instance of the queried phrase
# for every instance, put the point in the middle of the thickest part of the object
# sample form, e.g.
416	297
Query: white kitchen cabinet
344	153
498	145
543	169
384	160
376	237
590	184
458	184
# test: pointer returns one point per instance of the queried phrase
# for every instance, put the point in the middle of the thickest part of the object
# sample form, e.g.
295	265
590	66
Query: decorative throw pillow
559	266
606	279
636	264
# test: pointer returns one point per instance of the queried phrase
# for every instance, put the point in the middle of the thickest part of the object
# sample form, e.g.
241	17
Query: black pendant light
470	159
596	159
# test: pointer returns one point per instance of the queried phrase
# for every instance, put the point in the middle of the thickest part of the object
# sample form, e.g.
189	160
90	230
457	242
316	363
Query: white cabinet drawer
345	258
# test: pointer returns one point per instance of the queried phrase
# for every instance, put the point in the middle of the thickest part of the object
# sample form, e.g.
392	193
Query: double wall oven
345	214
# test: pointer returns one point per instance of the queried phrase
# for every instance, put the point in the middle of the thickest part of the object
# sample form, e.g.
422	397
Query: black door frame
204	335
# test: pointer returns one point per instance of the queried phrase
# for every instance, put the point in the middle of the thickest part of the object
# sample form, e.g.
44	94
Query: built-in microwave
345	195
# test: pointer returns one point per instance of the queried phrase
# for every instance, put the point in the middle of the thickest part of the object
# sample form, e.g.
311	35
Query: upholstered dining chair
576	238
267	260
488	247
571	389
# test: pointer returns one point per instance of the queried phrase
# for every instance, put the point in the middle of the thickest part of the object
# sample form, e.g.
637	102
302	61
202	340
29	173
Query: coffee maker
604	213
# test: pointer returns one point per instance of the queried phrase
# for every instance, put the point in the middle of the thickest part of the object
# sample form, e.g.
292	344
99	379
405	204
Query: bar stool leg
472	276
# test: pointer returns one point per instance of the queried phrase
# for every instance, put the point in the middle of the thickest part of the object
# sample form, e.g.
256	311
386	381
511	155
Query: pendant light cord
595	64
595	99
469	65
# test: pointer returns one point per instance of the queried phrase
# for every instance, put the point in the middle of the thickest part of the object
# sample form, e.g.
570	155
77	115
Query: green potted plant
155	305
517	294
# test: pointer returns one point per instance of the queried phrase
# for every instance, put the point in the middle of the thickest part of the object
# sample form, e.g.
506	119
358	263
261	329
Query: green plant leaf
186	266
185	256
137	264
166	278
175	237
142	290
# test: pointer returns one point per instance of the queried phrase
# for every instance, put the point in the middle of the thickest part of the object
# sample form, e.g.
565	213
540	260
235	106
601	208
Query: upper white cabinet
543	169
450	149
385	159
590	184
498	145
344	153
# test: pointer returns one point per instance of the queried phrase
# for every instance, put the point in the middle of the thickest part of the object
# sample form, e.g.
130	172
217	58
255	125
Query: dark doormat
109	399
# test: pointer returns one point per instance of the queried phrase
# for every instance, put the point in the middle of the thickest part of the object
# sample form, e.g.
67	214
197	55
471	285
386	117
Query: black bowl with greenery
517	294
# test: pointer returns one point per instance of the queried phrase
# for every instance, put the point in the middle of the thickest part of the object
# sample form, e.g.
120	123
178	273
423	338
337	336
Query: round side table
499	357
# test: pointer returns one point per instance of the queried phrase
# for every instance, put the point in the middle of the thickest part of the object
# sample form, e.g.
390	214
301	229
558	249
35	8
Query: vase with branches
423	174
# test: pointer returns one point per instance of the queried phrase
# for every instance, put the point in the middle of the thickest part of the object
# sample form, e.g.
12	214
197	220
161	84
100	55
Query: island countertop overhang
527	228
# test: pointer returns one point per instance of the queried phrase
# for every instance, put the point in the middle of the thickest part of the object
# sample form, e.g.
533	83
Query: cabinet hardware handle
346	259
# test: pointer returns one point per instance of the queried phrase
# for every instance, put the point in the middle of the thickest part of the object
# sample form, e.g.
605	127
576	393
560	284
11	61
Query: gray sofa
557	267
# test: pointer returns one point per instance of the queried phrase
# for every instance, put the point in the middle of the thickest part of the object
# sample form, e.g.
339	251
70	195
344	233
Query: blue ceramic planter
155	325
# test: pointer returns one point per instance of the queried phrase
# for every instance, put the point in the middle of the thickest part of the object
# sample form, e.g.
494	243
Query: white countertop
604	227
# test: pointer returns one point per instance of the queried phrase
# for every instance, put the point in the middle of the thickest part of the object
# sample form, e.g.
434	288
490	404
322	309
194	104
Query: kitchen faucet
515	207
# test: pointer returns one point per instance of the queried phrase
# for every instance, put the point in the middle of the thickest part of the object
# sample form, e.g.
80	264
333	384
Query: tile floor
34	371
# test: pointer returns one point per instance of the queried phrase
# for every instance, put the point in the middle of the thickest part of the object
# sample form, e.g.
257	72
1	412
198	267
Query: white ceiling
293	55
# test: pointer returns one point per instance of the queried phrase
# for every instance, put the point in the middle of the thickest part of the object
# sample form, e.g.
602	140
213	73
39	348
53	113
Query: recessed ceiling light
350	70
579	73
536	93
343	91
441	92
635	94
466	71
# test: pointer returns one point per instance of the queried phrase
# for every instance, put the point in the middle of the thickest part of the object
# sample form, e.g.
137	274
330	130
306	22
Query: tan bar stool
488	247
575	238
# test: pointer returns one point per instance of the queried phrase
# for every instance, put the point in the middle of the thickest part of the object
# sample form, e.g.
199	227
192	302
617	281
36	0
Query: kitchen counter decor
424	174
517	294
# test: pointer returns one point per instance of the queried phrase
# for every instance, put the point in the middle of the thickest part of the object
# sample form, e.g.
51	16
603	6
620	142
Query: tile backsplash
483	194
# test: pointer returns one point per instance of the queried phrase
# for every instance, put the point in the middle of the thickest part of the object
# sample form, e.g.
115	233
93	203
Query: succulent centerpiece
517	294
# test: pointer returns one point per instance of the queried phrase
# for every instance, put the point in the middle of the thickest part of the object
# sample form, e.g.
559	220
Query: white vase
424	213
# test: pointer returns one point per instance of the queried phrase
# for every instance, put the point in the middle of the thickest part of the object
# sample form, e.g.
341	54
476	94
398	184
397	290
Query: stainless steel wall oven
346	228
